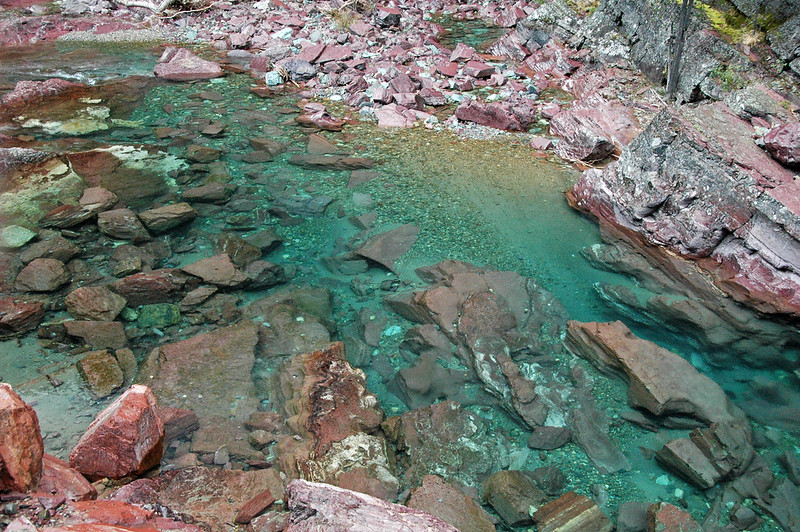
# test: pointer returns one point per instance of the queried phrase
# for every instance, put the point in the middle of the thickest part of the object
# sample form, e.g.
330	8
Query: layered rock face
693	186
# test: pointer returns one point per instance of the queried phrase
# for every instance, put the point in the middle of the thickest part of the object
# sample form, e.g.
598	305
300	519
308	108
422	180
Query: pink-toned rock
218	270
178	422
386	247
122	224
179	64
52	247
444	501
390	116
478	69
319	145
550	110
541	143
31	93
402	82
18	316
572	513
447	68
335	53
96	303
42	275
65	216
97	199
316	506
387	16
162	219
254	507
126	438
98	334
462	53
21	446
783	143
157	286
321	119
208	373
660	381
59	478
503	115
664	517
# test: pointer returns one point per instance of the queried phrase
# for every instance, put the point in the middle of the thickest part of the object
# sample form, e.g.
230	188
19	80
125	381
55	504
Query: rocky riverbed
336	266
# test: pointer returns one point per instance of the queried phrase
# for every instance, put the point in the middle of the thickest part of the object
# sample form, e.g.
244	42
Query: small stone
159	315
15	236
94	303
42	275
512	494
101	373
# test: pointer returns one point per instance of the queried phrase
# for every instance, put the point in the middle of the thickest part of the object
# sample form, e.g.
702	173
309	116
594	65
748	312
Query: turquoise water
490	202
475	32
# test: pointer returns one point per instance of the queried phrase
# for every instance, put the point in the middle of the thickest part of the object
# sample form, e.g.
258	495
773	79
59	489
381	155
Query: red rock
158	286
319	145
96	303
496	115
122	224
310	52
462	53
42	275
549	438
387	17
105	512
54	247
178	422
403	83
361	28
390	116
408	100
98	334
442	500
477	69
331	161
59	478
202	154
177	377
321	119
18	316
126	438
661	382
254	507
572	513
447	68
783	143
512	494
319	507
97	199
335	53
211	193
664	517
33	93
385	248
541	143
168	217
550	110
179	64
218	270
21	446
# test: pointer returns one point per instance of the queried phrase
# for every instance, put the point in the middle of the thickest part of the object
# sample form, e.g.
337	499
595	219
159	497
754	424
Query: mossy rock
158	315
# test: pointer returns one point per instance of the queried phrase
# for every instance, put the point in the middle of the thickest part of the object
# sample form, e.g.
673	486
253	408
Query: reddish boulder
504	115
462	53
42	275
54	247
321	507
664	517
98	334
163	219
386	247
512	494
783	143
179	64
661	382
59	478
572	513
21	446
97	199
122	224
321	119
94	303
65	216
126	438
32	93
17	316
158	286
444	501
218	270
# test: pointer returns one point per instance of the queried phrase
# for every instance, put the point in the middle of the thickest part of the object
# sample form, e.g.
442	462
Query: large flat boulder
179	64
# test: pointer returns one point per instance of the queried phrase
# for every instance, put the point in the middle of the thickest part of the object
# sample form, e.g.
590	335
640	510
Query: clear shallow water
489	202
477	32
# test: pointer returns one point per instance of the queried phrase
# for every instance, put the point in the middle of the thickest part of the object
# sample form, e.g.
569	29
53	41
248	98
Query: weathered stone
632	517
660	381
572	513
59	478
66	216
664	517
32	93
179	64
497	115
241	252
223	381
303	206
122	224
157	286
386	247
21	446
254	507
42	275
18	316
336	162
158	315
444	501
163	219
101	373
218	270
549	438
178	422
590	429
97	199
15	236
202	154
96	303
211	193
512	494
126	438
98	334
55	247
550	480
316	506
783	143
265	274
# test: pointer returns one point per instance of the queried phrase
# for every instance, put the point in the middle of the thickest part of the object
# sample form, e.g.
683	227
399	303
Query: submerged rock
18	316
443	500
572	513
512	494
94	303
42	275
